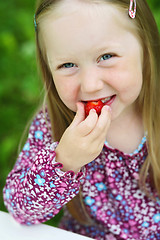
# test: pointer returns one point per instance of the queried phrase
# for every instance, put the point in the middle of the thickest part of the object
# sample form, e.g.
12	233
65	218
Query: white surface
11	230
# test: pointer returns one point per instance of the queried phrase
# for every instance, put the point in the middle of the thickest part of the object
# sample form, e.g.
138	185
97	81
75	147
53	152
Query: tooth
106	99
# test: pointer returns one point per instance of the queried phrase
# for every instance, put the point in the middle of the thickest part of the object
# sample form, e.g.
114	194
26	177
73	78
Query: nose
90	80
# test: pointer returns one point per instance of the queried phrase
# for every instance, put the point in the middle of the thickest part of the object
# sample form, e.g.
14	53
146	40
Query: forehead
66	8
84	23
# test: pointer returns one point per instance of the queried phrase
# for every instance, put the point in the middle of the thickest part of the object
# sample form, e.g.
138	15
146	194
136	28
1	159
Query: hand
83	140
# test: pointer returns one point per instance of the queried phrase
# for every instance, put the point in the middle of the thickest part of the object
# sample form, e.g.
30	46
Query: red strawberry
97	105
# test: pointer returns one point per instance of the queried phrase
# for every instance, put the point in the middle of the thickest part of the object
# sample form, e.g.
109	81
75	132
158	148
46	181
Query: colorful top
36	189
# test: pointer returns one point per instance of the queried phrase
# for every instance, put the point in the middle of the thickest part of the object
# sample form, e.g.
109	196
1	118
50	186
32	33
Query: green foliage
154	4
155	7
20	88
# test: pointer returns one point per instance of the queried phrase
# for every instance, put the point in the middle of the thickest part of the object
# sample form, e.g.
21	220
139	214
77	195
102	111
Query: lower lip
110	101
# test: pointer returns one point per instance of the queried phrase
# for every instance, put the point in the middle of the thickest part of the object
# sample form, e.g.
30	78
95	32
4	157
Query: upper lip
98	99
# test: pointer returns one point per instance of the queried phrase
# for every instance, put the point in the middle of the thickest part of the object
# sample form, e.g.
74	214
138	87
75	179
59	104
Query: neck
126	132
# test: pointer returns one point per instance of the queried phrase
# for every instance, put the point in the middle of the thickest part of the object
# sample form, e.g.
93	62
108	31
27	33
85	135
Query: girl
106	168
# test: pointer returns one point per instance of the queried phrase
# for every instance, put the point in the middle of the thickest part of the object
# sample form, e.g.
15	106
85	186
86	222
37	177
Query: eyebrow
60	59
111	47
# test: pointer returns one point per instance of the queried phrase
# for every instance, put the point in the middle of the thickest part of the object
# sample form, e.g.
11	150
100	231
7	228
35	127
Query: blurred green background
20	88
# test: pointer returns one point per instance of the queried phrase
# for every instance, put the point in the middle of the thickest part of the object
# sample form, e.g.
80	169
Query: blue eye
106	57
68	65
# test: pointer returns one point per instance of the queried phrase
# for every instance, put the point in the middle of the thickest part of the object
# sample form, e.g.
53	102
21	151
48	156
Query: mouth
105	101
108	100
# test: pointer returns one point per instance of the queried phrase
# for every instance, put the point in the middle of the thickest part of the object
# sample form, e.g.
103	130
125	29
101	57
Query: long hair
148	101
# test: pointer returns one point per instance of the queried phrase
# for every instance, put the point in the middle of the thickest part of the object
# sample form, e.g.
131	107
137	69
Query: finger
103	123
80	115
104	120
89	123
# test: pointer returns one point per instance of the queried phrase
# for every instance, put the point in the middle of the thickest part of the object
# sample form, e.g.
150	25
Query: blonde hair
148	101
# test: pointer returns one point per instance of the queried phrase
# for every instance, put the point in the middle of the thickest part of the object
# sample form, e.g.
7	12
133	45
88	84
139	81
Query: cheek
66	91
63	92
127	84
130	90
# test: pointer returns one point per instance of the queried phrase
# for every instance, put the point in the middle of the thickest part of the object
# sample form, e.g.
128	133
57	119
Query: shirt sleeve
36	189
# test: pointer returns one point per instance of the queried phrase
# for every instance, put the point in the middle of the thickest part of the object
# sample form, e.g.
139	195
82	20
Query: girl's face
92	55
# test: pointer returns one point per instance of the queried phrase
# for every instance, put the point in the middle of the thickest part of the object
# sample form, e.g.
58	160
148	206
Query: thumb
80	115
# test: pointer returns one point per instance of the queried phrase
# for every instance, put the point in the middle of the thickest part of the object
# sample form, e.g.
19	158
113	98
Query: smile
108	100
105	101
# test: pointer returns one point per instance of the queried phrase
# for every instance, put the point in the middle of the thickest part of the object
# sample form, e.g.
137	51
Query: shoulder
40	129
42	119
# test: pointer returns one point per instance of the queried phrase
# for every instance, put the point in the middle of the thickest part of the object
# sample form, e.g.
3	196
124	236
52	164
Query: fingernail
92	110
108	108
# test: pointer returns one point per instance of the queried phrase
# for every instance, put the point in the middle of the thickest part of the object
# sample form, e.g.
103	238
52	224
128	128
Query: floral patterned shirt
36	189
